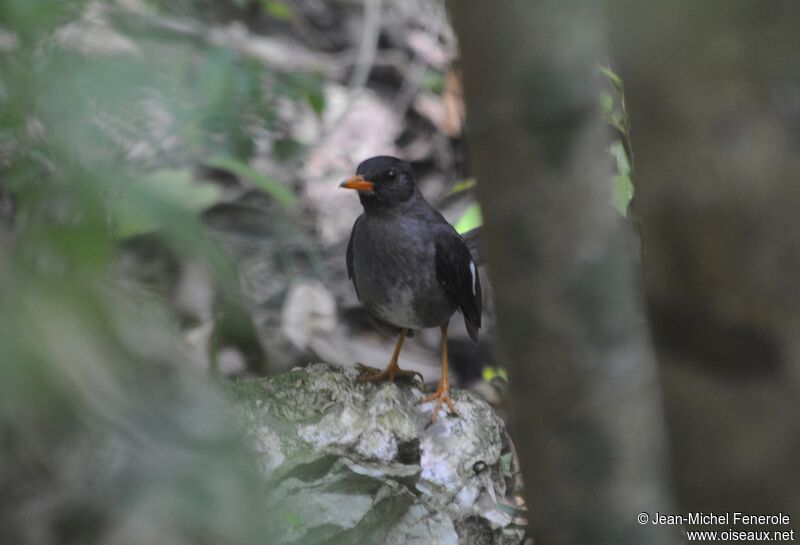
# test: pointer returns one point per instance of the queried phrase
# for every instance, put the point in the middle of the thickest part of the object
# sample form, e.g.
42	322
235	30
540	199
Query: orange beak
358	183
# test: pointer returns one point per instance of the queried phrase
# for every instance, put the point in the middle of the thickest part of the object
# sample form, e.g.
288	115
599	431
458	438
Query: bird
409	266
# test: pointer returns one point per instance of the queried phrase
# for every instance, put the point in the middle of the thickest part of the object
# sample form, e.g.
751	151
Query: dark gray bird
409	266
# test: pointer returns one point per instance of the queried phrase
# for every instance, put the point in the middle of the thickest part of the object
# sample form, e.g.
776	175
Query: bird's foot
442	395
372	374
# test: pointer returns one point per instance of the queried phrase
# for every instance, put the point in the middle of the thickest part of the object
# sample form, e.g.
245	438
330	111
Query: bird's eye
391	175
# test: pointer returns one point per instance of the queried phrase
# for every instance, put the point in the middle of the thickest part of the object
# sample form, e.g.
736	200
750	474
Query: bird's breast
395	271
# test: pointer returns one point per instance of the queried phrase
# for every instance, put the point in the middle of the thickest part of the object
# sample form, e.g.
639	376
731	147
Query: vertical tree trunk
713	92
585	397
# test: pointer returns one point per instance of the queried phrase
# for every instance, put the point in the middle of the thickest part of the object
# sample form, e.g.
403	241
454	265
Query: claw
372	374
441	395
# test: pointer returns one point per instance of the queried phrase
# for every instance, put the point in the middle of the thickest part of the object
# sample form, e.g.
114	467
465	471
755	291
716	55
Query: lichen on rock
350	462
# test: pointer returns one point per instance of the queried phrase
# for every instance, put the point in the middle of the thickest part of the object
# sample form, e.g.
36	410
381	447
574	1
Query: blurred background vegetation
170	220
168	211
167	176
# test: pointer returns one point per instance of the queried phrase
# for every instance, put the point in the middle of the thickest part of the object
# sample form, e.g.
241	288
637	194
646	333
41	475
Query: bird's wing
474	240
458	274
351	274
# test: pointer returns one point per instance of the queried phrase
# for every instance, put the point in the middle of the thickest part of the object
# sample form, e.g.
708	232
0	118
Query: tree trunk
585	398
714	97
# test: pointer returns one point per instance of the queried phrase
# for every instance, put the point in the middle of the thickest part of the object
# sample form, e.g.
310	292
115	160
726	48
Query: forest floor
297	94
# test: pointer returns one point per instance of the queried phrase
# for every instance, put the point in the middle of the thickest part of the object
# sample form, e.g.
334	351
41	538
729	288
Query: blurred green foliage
433	81
242	170
31	18
101	146
470	219
623	185
171	187
108	434
463	185
278	9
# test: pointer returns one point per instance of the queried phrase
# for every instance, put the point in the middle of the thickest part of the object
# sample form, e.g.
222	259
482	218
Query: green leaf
617	151
433	81
242	170
623	186
470	219
316	99
490	373
623	193
610	74
173	191
463	185
606	103
278	9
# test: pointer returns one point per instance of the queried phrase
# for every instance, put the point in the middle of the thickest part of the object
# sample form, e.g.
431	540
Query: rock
347	462
309	312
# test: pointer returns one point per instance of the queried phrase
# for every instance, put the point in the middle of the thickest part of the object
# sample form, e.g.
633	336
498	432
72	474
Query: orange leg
392	371
442	394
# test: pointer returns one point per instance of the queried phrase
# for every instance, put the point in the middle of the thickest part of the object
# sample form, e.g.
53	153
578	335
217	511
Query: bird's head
382	181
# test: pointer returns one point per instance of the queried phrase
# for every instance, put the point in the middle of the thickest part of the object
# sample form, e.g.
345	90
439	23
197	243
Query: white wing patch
474	278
